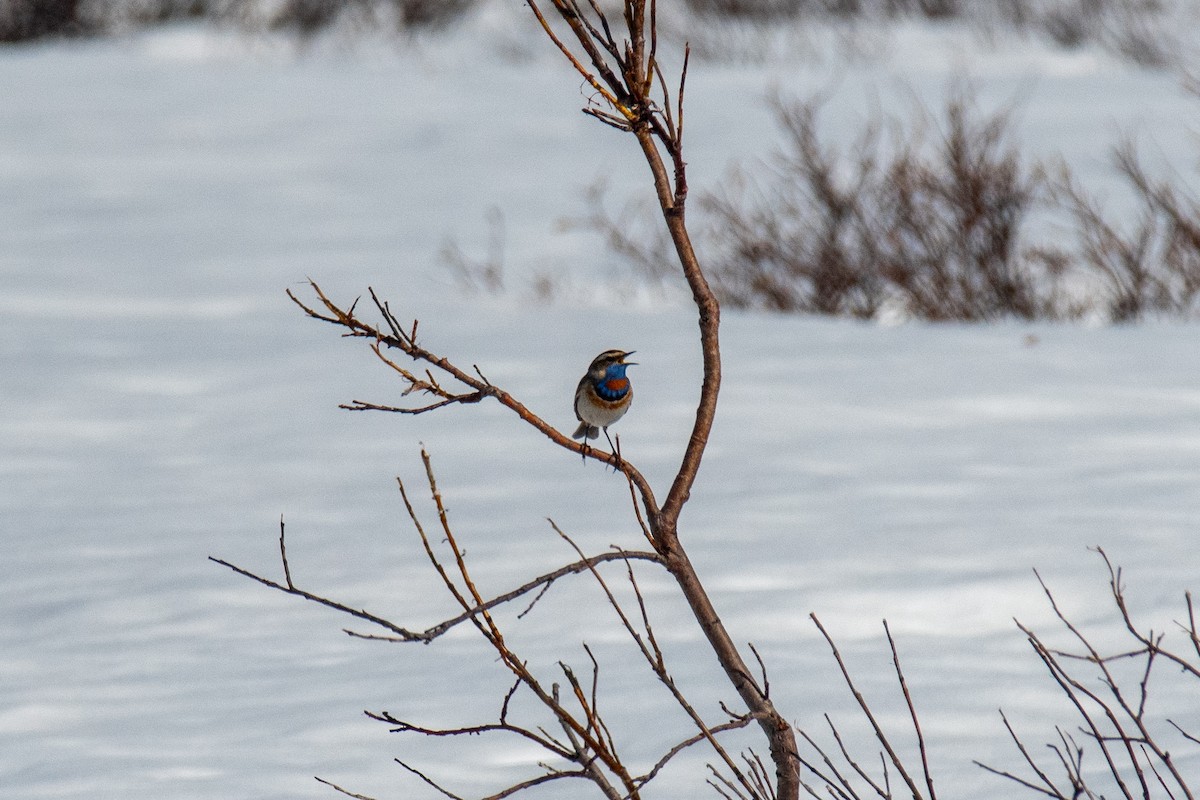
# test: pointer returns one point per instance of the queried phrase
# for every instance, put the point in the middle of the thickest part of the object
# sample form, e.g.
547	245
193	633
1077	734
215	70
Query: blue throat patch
617	372
610	394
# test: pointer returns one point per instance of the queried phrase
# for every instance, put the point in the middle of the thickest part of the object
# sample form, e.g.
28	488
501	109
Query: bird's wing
583	382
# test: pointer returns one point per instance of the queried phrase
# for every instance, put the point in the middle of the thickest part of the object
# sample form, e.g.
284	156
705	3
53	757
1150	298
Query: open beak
628	363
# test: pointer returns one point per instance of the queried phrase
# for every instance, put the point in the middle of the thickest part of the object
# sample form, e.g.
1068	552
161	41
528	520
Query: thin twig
337	788
658	667
401	633
912	711
401	726
694	739
1054	791
882	791
287	570
839	787
762	670
866	709
430	781
393	336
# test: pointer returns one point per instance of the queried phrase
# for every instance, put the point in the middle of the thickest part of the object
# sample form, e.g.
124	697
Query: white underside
598	415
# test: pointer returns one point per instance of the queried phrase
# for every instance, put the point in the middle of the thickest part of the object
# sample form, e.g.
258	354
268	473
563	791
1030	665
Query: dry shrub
952	224
1142	31
478	275
797	243
929	222
22	20
25	20
930	225
770	10
1131	735
1145	32
764	10
1152	268
309	17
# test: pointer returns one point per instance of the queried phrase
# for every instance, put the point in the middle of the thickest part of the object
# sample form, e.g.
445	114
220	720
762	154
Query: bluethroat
603	395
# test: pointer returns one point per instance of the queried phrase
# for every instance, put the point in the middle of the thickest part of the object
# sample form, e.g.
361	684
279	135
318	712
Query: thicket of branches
1132	733
931	226
1147	32
1135	728
930	220
25	20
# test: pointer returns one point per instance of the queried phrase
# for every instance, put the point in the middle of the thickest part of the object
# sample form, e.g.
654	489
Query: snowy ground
163	402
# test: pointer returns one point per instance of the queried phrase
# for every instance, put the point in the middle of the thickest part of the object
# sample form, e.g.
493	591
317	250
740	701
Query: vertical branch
1192	631
628	89
912	712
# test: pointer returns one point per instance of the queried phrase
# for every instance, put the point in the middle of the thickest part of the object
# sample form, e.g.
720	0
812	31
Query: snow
163	401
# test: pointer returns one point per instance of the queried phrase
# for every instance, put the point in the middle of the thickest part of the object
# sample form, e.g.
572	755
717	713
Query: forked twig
1115	722
392	335
653	656
1048	788
866	709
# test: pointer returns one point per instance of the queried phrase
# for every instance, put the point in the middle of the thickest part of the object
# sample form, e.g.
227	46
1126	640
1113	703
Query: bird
603	396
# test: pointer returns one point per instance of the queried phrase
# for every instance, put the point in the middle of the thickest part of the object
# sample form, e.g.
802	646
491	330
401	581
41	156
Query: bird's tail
585	431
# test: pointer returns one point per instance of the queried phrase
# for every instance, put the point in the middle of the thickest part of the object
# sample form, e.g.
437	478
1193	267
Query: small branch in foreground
402	726
882	737
1115	713
427	635
912	712
340	790
653	656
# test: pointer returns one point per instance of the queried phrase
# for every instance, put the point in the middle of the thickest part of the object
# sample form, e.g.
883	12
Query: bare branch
428	780
1116	721
837	786
654	658
402	633
287	570
1073	689
537	781
1051	790
541	583
401	726
507	699
622	70
721	784
694	739
912	711
866	709
337	788
1184	733
1152	646
393	336
586	41
883	791
1191	629
762	670
1019	780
